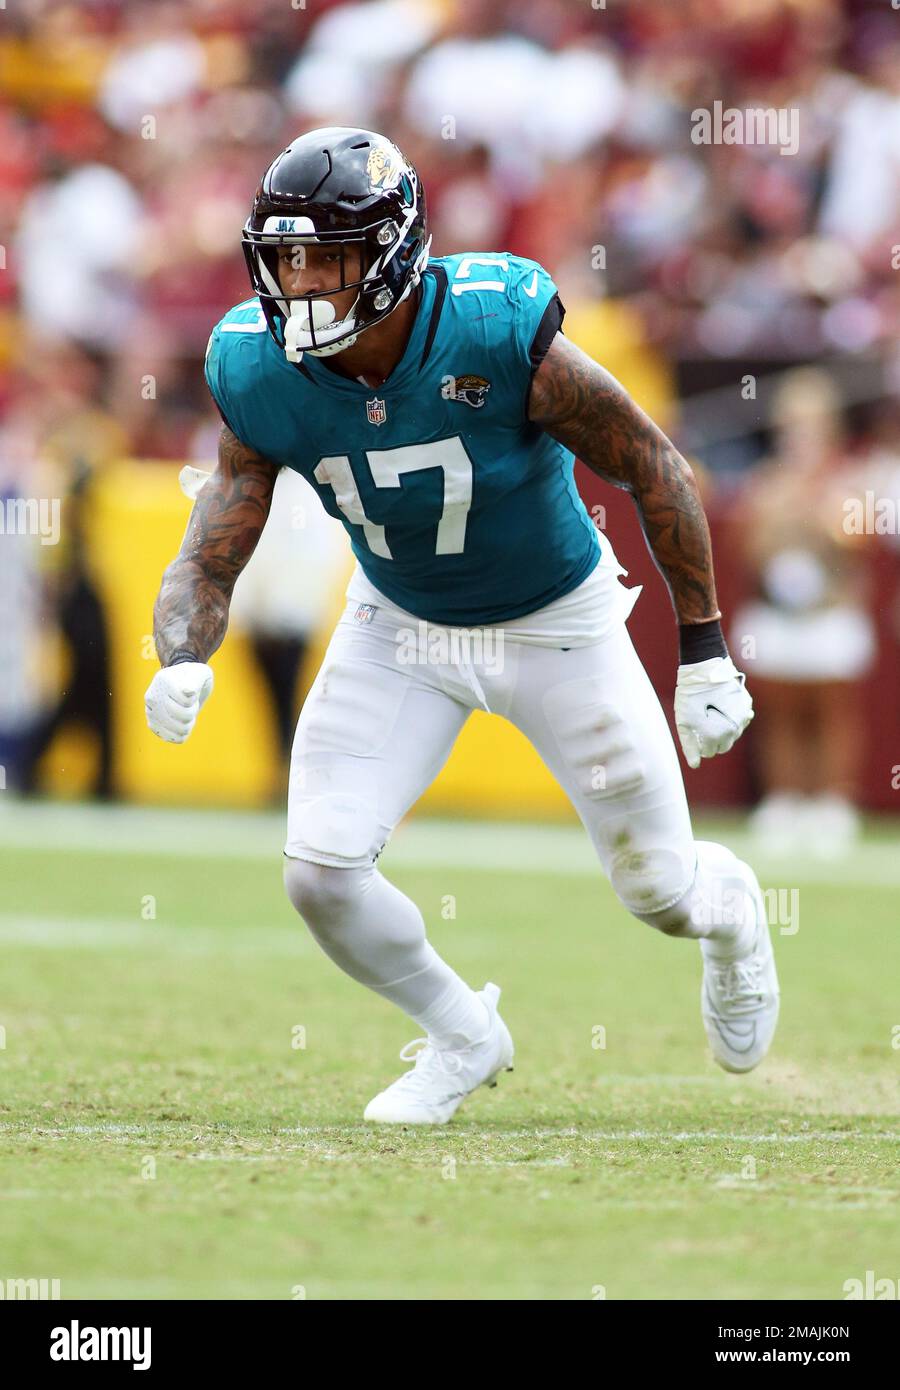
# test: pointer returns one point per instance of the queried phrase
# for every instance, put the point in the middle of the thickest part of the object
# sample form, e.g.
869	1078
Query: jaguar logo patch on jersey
376	410
470	389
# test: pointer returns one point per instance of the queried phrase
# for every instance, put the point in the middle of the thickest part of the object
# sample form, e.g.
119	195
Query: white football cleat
739	999
442	1078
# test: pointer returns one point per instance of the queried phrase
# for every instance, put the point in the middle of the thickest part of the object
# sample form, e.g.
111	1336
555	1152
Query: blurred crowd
133	134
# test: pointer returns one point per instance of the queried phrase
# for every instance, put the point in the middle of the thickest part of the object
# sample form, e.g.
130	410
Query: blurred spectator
862	202
85	694
75	251
160	63
806	640
342	74
134	136
283	597
71	437
23	689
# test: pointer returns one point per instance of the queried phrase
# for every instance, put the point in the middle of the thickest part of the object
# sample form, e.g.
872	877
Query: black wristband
700	641
180	656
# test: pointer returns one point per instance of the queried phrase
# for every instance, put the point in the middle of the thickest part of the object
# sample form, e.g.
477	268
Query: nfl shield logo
376	411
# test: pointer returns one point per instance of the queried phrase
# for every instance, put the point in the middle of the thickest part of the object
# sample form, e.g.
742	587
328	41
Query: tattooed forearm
586	409
191	612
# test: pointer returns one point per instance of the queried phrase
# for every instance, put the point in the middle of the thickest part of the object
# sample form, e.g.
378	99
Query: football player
437	408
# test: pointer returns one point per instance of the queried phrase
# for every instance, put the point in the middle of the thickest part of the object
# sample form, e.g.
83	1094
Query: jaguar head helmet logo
383	167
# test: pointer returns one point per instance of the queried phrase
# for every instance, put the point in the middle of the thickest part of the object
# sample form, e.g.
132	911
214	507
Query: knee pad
337	828
650	882
318	891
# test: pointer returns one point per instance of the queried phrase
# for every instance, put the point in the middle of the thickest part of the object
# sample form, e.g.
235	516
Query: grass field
163	1135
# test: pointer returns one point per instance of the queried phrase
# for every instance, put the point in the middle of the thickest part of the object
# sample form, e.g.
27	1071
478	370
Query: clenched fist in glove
712	707
175	697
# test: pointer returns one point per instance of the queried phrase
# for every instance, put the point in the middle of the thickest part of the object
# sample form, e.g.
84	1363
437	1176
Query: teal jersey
459	509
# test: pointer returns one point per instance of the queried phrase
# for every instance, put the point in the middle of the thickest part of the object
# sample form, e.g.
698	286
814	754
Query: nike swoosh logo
723	714
531	290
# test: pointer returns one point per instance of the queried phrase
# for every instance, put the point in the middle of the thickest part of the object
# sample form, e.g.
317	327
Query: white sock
457	1017
724	901
376	934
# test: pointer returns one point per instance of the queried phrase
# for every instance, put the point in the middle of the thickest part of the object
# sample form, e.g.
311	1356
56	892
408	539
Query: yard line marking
100	933
52	1131
638	1135
421	843
478	1133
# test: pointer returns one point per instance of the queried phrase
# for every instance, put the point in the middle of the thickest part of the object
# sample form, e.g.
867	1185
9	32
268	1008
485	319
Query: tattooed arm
585	408
580	404
191	612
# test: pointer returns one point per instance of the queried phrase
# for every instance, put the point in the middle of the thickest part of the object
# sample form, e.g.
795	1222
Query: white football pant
380	721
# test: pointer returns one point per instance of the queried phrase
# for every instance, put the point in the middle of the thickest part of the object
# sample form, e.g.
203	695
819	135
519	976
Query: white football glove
712	707
174	699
